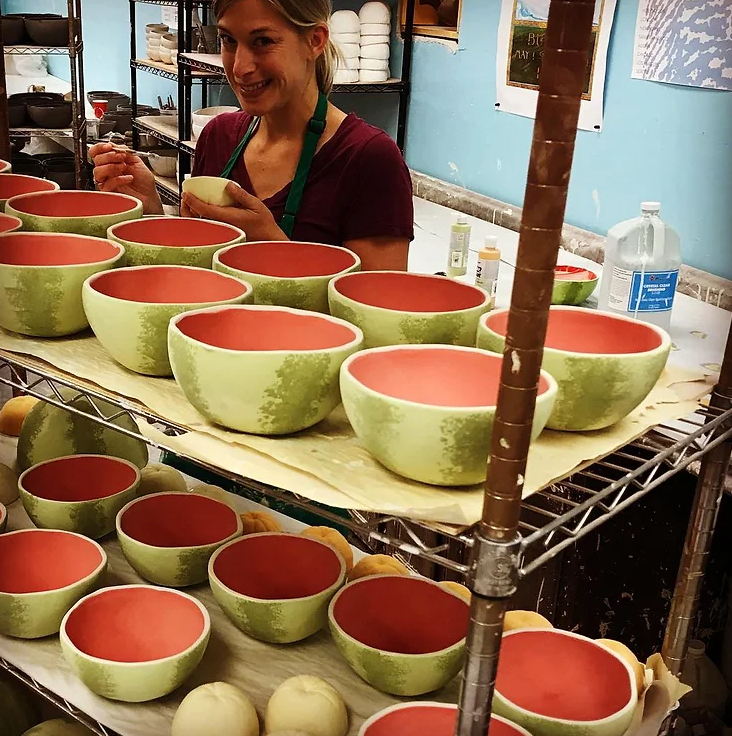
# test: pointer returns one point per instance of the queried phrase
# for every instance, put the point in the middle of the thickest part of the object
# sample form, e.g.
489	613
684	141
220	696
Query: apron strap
243	143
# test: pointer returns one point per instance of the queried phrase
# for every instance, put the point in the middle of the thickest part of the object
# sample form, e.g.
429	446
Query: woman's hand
118	171
248	214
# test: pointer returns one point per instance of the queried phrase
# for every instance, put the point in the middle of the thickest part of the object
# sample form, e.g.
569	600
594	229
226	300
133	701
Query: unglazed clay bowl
573	285
276	587
288	274
404	635
44	573
177	241
129	309
426	411
84	213
41	279
168	538
11	185
532	690
135	643
290	358
395	308
605	365
78	493
9	224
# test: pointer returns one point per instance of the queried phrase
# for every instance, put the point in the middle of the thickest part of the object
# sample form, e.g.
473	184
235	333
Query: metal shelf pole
406	87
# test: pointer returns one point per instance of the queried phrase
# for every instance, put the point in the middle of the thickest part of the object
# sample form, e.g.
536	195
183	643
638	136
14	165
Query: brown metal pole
495	564
4	127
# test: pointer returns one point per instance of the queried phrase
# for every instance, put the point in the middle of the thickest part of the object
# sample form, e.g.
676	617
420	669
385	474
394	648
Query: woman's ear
318	40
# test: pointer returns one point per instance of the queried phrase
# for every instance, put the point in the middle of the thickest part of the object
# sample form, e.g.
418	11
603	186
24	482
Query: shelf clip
494	566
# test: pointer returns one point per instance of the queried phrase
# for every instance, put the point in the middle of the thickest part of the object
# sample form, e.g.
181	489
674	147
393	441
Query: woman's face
268	61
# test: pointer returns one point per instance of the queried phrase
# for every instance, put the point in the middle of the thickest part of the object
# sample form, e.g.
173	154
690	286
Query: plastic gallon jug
641	269
710	689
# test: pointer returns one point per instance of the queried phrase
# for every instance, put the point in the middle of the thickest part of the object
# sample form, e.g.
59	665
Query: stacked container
375	18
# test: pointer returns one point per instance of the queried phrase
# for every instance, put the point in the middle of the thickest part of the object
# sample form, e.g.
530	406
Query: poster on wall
520	49
686	42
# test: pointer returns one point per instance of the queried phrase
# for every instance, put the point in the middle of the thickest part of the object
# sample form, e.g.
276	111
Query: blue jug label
653	291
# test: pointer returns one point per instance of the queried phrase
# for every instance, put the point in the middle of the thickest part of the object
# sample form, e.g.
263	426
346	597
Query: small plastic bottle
489	262
457	264
700	673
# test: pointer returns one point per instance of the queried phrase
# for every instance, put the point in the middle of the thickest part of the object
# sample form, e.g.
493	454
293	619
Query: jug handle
659	238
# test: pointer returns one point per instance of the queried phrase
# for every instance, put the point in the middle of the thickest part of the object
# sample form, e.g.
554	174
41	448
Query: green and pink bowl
80	212
78	493
130	309
13	185
426	412
168	538
44	573
397	308
135	643
554	682
288	273
41	279
173	241
261	369
9	224
276	587
5	166
573	285
604	364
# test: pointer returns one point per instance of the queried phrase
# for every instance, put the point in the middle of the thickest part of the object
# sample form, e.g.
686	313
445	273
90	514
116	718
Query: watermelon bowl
3	518
175	241
80	212
44	573
129	309
419	423
291	359
397	308
288	273
41	279
605	365
573	285
276	587
168	538
12	185
403	635
135	643
78	493
592	692
10	224
5	166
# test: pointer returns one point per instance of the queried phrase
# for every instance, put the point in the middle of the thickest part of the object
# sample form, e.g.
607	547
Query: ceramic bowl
84	213
166	55
13	30
168	538
196	131
129	309
276	587
404	635
605	364
206	114
78	493
163	161
179	241
9	224
135	643
44	573
3	518
113	99
418	422
51	115
48	31
291	360
287	274
573	285
5	167
209	189
11	185
41	278
394	308
153	51
531	690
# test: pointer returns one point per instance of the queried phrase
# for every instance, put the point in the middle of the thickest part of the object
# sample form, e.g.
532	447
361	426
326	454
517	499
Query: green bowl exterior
572	293
96	226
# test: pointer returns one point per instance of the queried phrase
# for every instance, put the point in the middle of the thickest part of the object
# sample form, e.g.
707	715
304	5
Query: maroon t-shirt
358	186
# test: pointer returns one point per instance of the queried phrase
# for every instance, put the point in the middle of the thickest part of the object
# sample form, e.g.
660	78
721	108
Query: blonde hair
303	14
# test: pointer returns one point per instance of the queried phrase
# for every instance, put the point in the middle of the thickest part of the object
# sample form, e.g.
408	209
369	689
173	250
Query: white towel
374	40
344	21
381	51
349	50
369	75
346	76
375	29
374	65
375	12
346	38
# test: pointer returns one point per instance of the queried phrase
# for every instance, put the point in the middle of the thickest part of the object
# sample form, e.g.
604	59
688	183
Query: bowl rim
3	512
411	657
55	188
137	204
6	167
223	108
108	261
234	241
338	584
86	579
201	639
560	266
552	389
63	504
355	342
195	547
19	222
333	285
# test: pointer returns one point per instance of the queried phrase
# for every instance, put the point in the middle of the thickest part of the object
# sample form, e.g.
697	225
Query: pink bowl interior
74	204
529	676
168	285
11	185
429	720
573	273
34	561
8	222
409	292
581	331
401	614
418	375
277	567
250	330
41	249
288	259
115	624
79	478
177	232
178	520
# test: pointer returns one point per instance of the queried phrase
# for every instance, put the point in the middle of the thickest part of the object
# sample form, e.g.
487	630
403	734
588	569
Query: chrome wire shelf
29	50
156	69
171	139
